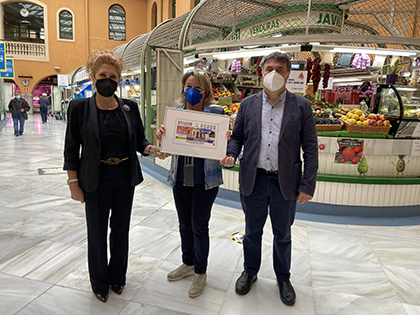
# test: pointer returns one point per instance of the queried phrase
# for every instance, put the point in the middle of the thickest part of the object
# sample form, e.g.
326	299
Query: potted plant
393	72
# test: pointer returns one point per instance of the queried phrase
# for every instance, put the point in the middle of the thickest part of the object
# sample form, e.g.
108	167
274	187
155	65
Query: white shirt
271	117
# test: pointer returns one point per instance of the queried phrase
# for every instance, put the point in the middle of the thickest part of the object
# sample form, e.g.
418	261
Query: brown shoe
117	288
103	297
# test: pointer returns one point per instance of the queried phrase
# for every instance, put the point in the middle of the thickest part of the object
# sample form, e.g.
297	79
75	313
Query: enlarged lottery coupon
193	133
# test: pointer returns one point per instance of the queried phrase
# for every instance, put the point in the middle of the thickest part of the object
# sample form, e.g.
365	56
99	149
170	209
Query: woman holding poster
195	183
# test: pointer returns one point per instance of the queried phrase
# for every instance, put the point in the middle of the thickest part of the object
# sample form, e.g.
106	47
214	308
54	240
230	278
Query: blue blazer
82	149
298	131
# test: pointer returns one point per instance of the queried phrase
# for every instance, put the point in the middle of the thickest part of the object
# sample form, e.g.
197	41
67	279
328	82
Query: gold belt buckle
113	161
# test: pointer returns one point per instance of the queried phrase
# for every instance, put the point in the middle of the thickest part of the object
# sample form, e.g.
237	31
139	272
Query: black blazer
83	133
298	131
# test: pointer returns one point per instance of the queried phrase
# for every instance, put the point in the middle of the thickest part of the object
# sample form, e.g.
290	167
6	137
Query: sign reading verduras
196	134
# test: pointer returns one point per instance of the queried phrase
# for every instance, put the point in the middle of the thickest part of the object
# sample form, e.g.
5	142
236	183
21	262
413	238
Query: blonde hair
99	57
203	82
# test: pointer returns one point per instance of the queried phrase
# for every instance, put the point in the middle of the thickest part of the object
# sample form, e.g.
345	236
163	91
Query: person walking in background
272	127
19	108
103	135
44	102
77	94
195	183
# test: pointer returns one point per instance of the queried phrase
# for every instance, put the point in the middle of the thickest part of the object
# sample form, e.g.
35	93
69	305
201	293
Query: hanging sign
287	20
10	72
297	81
2	56
63	80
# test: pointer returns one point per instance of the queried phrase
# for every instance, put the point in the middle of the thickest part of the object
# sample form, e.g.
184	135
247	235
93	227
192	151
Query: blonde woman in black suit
103	135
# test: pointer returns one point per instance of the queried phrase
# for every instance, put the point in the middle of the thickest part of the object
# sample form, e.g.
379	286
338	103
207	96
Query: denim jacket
212	169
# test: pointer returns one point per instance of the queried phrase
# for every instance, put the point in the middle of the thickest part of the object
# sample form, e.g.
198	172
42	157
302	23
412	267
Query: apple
379	123
372	122
370	116
382	117
386	123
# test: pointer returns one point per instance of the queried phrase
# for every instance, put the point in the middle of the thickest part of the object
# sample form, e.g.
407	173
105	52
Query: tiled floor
336	268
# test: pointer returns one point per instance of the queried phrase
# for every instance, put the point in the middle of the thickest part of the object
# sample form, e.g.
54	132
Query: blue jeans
43	110
266	194
16	121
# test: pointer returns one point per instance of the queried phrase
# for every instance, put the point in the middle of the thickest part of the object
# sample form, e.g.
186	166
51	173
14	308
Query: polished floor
337	268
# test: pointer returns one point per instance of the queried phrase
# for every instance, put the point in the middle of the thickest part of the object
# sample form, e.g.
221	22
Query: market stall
360	50
341	52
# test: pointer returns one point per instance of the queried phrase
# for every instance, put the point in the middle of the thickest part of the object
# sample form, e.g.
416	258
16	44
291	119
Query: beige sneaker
181	272
197	286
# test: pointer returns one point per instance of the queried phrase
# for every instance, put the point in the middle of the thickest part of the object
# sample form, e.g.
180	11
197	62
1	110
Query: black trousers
266	194
113	195
193	205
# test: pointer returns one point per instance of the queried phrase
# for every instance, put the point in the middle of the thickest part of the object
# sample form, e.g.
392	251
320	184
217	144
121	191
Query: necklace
106	105
100	106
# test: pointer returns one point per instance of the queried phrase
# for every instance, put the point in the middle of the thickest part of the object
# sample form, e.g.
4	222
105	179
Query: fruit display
224	94
325	119
248	80
231	109
357	117
227	110
217	89
411	113
315	103
235	107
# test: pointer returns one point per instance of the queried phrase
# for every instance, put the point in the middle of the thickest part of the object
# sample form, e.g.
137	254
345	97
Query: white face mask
273	81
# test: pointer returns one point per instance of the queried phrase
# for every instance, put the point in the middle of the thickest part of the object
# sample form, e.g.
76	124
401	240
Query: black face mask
106	87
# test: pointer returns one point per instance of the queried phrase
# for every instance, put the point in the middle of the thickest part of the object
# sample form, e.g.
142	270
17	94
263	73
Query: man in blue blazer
272	127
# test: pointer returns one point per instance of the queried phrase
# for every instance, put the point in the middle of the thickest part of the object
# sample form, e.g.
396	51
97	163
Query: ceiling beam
332	38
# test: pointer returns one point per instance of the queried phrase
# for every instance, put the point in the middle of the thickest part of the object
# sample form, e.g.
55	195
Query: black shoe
117	288
20	133
103	297
287	293
244	282
16	134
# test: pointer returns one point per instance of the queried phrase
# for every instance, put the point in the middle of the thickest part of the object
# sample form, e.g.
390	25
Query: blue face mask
193	96
17	96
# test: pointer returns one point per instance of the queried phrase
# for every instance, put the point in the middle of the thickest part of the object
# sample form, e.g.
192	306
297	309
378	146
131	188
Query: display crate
329	127
365	129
